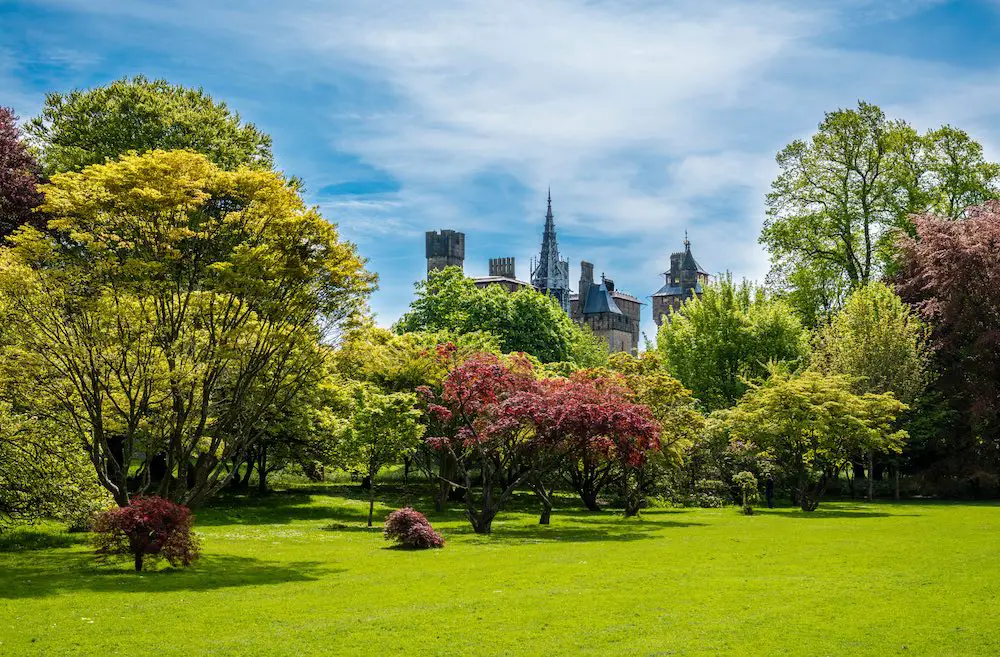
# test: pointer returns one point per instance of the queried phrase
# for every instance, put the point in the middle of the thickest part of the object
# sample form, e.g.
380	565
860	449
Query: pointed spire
687	244
548	214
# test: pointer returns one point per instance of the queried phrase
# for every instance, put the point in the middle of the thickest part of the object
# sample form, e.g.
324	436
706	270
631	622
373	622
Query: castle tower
445	248
685	279
549	273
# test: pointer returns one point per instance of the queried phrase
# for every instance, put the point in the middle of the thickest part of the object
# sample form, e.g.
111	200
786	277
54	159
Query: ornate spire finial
687	244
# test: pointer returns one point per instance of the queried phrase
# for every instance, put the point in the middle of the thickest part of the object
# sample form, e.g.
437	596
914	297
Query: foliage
811	424
171	305
148	529
951	274
589	426
19	172
411	529
746	482
304	431
85	127
878	341
676	413
833	210
480	434
383	427
44	474
523	321
718	340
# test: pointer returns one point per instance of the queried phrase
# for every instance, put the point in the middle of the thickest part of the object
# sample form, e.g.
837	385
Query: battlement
444	248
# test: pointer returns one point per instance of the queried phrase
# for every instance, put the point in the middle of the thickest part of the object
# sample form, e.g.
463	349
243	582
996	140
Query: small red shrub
148	527
411	528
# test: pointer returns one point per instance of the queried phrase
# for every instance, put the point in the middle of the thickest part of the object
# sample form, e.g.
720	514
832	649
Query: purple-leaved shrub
410	528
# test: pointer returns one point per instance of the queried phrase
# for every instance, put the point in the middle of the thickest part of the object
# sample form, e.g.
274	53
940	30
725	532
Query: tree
476	427
716	341
588	426
383	427
44	474
841	195
811	424
523	321
171	306
951	275
85	127
148	529
675	411
880	344
19	173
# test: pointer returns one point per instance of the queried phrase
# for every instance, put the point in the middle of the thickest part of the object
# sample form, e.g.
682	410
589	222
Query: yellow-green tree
811	424
170	304
382	428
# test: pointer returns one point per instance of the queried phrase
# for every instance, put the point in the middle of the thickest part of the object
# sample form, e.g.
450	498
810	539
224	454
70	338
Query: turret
445	248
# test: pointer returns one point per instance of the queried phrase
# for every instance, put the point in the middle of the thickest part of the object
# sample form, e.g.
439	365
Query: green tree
92	126
172	304
880	344
44	473
811	424
383	427
716	341
841	195
523	321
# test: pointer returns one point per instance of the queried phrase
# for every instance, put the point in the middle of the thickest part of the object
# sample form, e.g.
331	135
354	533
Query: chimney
610	284
503	267
586	280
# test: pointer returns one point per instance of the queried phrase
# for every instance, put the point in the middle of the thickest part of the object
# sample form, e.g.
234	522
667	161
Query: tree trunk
896	475
589	498
138	562
546	513
262	470
871	474
371	504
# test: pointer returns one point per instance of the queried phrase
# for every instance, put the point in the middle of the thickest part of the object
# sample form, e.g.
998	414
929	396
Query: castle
608	312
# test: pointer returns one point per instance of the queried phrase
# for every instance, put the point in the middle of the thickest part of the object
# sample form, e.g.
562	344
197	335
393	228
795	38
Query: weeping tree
170	305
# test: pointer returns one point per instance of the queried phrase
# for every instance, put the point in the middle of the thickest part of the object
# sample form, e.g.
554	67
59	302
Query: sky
646	119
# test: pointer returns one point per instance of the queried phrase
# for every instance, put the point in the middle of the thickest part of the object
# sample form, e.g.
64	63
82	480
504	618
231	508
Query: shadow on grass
40	575
840	511
26	539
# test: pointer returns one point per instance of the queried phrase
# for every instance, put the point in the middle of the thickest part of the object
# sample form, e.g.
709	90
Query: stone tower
445	248
610	314
550	274
685	279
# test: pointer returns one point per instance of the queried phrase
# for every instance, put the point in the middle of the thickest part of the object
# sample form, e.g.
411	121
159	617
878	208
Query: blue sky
646	118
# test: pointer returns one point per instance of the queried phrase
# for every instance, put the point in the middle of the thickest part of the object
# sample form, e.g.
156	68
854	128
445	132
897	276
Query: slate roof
599	300
670	290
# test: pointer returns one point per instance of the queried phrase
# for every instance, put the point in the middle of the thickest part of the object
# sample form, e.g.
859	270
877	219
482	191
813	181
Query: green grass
299	574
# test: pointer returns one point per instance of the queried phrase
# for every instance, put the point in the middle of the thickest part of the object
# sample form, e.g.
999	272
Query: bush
411	529
148	529
747	484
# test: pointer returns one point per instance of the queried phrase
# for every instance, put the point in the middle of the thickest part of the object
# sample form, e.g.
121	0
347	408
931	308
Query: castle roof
599	300
671	290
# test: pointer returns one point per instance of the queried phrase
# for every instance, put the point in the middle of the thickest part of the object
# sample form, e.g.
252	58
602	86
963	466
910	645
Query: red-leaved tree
608	435
485	438
148	529
951	274
587	427
19	172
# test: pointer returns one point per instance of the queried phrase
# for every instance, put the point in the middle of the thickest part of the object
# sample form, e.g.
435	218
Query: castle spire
551	273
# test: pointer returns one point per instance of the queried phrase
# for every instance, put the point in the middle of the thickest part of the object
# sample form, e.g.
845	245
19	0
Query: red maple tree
19	177
951	274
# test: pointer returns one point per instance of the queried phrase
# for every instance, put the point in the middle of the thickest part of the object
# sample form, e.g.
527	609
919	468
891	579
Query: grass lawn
298	574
